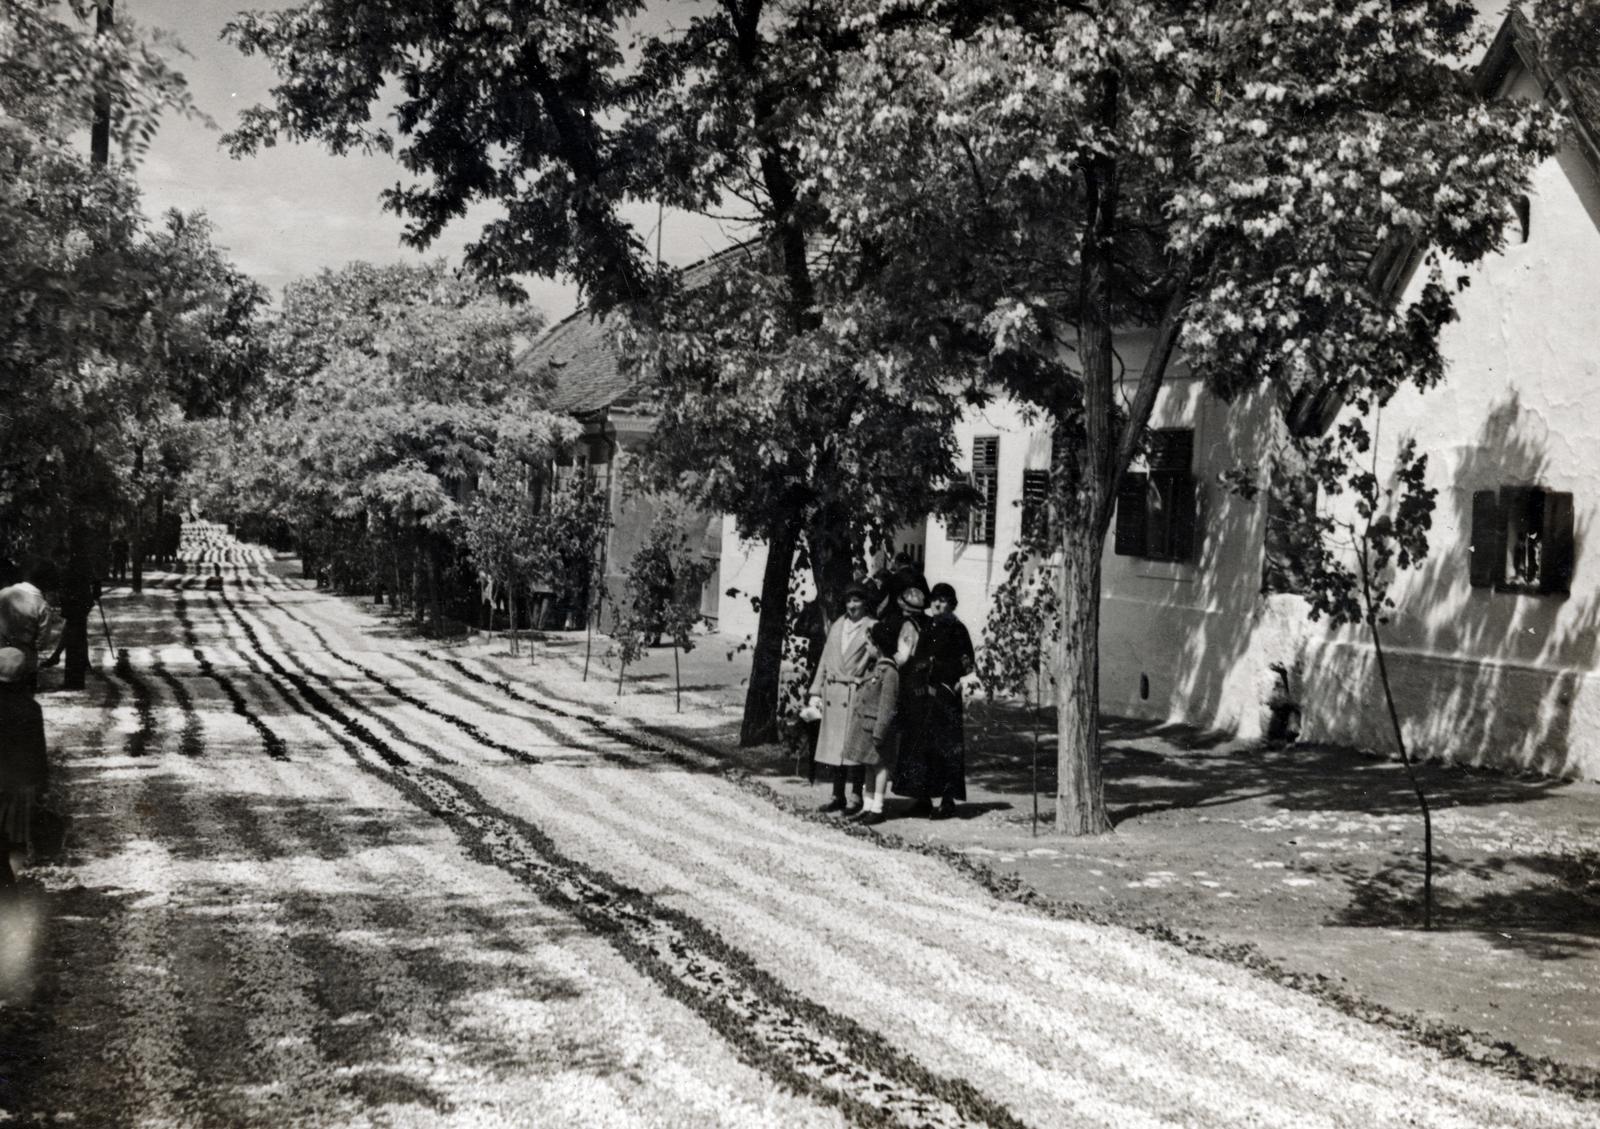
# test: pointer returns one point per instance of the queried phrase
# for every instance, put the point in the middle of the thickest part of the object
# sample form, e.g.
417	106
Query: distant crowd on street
886	698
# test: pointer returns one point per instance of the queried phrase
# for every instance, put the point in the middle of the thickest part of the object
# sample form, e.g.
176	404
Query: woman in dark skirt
938	766
22	756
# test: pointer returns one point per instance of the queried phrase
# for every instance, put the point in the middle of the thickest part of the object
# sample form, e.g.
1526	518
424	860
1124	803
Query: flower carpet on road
318	876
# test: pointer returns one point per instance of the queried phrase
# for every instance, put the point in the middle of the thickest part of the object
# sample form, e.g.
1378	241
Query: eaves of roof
1517	45
578	354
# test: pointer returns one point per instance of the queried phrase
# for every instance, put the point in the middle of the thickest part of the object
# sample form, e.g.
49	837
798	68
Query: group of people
887	698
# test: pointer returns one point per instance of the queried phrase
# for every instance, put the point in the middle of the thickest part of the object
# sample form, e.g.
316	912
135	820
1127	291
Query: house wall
1481	676
1487	676
607	444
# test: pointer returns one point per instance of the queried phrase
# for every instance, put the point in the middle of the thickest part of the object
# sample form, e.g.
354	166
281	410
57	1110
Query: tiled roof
578	354
583	363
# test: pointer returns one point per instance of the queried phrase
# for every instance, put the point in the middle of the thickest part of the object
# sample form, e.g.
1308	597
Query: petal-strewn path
319	875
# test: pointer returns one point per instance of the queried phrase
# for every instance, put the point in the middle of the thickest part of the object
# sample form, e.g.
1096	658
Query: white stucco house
1495	647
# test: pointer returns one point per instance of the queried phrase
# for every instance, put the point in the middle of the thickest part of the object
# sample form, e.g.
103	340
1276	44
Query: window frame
1170	483
1517	517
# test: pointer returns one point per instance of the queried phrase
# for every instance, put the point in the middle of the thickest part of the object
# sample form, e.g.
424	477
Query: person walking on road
844	661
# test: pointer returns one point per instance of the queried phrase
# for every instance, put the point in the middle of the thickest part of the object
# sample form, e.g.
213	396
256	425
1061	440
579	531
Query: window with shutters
976	527
1522	540
1156	508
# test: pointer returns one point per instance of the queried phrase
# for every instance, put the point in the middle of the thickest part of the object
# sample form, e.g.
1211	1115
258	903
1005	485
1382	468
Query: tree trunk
136	541
418	597
1080	792
77	602
435	611
760	724
100	126
396	596
832	566
136	551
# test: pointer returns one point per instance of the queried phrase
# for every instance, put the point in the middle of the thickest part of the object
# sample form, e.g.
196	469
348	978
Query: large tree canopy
1245	180
113	336
554	112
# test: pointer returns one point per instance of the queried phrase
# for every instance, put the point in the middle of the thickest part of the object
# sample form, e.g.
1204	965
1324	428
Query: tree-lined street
1182	347
334	876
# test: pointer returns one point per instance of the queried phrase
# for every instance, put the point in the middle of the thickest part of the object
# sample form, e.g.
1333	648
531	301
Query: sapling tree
499	532
1022	627
569	533
661	597
1351	548
1240	181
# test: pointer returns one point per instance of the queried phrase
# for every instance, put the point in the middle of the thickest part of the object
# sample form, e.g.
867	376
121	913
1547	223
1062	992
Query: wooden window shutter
1560	551
1172	450
1488	559
1130	531
986	479
1184	517
1036	503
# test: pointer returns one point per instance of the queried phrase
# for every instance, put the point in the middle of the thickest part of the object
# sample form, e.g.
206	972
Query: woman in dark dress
916	772
22	756
948	658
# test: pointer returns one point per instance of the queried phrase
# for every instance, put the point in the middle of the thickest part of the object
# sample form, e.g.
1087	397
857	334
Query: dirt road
322	875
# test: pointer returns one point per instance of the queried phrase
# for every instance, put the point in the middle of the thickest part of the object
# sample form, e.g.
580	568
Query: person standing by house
844	661
917	770
950	660
22	756
873	738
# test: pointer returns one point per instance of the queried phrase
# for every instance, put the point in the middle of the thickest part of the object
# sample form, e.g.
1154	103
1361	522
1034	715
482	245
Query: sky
291	210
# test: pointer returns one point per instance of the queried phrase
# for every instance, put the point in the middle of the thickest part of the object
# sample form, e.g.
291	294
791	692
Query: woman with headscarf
844	662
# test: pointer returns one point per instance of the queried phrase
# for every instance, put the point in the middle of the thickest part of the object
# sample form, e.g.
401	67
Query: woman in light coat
845	660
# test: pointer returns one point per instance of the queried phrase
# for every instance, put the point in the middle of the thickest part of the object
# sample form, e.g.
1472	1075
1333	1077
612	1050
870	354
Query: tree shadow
359	968
1544	905
1482	676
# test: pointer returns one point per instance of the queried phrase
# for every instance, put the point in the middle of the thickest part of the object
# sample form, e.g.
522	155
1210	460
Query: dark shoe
947	808
853	808
920	808
870	818
833	805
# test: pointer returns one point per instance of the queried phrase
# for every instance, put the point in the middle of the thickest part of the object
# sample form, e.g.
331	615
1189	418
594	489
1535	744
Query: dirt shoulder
1309	857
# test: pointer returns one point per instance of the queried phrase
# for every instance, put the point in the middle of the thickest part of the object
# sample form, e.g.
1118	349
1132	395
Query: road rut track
839	1061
